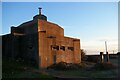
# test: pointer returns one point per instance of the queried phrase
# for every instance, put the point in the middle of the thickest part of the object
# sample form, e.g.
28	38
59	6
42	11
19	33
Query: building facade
41	42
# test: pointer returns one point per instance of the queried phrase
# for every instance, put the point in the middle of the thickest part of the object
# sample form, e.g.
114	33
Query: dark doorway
54	59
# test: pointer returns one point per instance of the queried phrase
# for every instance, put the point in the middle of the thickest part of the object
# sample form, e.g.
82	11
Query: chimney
40	12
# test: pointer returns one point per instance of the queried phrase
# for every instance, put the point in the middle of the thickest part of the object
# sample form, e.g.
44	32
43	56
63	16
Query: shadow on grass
17	69
96	71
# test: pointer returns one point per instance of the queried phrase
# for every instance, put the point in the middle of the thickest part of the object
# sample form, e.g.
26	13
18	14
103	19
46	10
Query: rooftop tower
40	15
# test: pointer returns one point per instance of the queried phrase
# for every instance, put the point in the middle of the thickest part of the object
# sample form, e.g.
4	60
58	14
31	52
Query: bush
104	66
83	55
94	59
66	66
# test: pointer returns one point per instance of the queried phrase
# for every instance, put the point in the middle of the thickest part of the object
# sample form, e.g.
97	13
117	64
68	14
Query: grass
110	74
89	74
15	69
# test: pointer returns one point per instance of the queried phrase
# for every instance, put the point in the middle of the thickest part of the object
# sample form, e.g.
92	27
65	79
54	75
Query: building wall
9	46
29	48
77	51
52	35
42	43
47	29
22	43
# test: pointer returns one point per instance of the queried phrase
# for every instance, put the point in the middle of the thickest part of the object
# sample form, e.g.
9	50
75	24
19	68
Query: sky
92	22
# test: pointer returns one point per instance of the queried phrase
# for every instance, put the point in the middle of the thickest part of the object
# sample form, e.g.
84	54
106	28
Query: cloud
98	44
107	38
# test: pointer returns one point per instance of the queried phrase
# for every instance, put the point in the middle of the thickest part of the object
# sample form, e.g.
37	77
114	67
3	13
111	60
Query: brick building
41	42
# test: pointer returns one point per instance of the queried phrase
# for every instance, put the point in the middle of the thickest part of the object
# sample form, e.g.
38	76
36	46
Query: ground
13	69
17	69
85	73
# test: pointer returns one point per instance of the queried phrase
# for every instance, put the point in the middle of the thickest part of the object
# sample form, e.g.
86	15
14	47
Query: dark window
54	59
56	47
62	48
30	47
51	37
71	48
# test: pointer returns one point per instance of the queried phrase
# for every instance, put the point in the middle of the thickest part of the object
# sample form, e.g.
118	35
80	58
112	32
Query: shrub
104	66
94	59
83	55
66	66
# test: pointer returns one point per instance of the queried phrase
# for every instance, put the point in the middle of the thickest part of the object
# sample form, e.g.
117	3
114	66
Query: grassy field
87	74
13	69
83	73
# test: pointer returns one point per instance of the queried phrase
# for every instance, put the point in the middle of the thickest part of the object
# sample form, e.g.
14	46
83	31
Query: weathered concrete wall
22	42
77	51
10	46
29	27
69	54
52	35
29	47
42	48
24	47
51	29
6	45
47	29
41	42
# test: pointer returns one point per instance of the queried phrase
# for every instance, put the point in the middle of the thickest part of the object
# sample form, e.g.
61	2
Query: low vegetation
18	69
66	66
104	66
94	71
87	69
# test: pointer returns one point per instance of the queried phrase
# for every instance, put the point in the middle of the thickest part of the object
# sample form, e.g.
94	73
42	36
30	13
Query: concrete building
41	42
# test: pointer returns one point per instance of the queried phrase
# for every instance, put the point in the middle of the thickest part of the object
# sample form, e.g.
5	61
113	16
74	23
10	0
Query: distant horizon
99	53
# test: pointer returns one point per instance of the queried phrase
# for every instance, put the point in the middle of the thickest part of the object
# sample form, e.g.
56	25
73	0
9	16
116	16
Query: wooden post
107	55
101	57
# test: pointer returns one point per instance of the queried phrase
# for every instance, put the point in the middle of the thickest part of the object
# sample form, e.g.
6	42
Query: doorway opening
54	59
